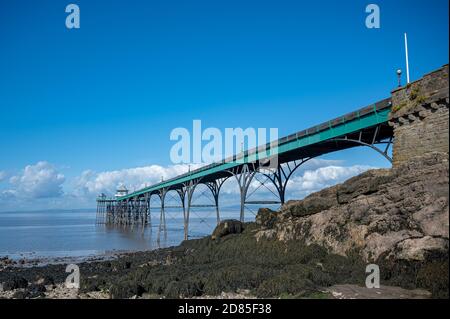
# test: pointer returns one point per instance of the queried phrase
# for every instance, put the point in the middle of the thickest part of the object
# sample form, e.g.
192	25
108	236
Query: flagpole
407	59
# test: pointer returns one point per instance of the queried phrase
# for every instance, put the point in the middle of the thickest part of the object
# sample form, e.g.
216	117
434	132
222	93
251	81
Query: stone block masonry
420	117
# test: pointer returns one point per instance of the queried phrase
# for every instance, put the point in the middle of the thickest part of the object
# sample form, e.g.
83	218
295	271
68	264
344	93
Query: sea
76	233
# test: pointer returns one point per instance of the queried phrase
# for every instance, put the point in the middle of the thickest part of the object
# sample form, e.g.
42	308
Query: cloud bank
41	180
91	183
40	185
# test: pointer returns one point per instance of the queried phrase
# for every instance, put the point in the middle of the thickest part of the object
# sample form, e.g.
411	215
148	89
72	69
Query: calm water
75	233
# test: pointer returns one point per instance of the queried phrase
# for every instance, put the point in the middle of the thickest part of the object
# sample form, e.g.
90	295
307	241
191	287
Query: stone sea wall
420	117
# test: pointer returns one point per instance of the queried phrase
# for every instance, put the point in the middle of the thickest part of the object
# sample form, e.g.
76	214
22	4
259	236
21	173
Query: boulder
227	227
311	204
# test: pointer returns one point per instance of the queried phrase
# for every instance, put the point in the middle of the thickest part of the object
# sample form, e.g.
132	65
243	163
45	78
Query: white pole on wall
407	60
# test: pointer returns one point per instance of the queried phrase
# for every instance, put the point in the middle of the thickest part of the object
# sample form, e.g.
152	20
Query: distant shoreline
53	210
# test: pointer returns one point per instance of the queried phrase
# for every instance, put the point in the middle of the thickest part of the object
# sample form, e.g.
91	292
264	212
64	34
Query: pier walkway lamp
399	76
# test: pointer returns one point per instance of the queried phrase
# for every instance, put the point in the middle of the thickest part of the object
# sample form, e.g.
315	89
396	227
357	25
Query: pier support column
244	176
104	214
149	210
132	211
140	208
98	213
102	203
109	219
126	212
162	218
146	211
123	212
118	213
215	190
182	194
186	193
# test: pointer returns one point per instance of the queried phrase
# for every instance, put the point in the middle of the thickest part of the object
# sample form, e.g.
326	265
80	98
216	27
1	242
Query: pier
276	161
411	116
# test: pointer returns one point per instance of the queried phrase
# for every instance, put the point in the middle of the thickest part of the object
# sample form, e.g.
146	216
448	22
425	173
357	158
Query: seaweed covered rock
125	289
183	289
226	227
264	268
266	217
15	283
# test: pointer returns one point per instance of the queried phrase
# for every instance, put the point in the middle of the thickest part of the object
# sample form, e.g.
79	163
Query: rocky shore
318	247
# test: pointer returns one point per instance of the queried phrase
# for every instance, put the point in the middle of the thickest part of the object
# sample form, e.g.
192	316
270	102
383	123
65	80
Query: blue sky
105	97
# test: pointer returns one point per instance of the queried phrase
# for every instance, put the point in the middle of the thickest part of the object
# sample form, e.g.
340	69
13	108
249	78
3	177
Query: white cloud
40	180
91	183
315	163
314	180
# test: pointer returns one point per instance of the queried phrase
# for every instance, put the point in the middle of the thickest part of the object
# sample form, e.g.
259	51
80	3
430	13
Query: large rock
417	249
400	213
312	204
266	217
226	227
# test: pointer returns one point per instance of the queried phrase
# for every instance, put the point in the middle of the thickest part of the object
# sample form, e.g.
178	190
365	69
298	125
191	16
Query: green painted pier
277	161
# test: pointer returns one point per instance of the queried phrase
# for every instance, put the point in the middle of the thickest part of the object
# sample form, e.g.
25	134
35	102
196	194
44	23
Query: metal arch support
215	190
186	192
280	177
150	207
371	145
244	177
182	194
